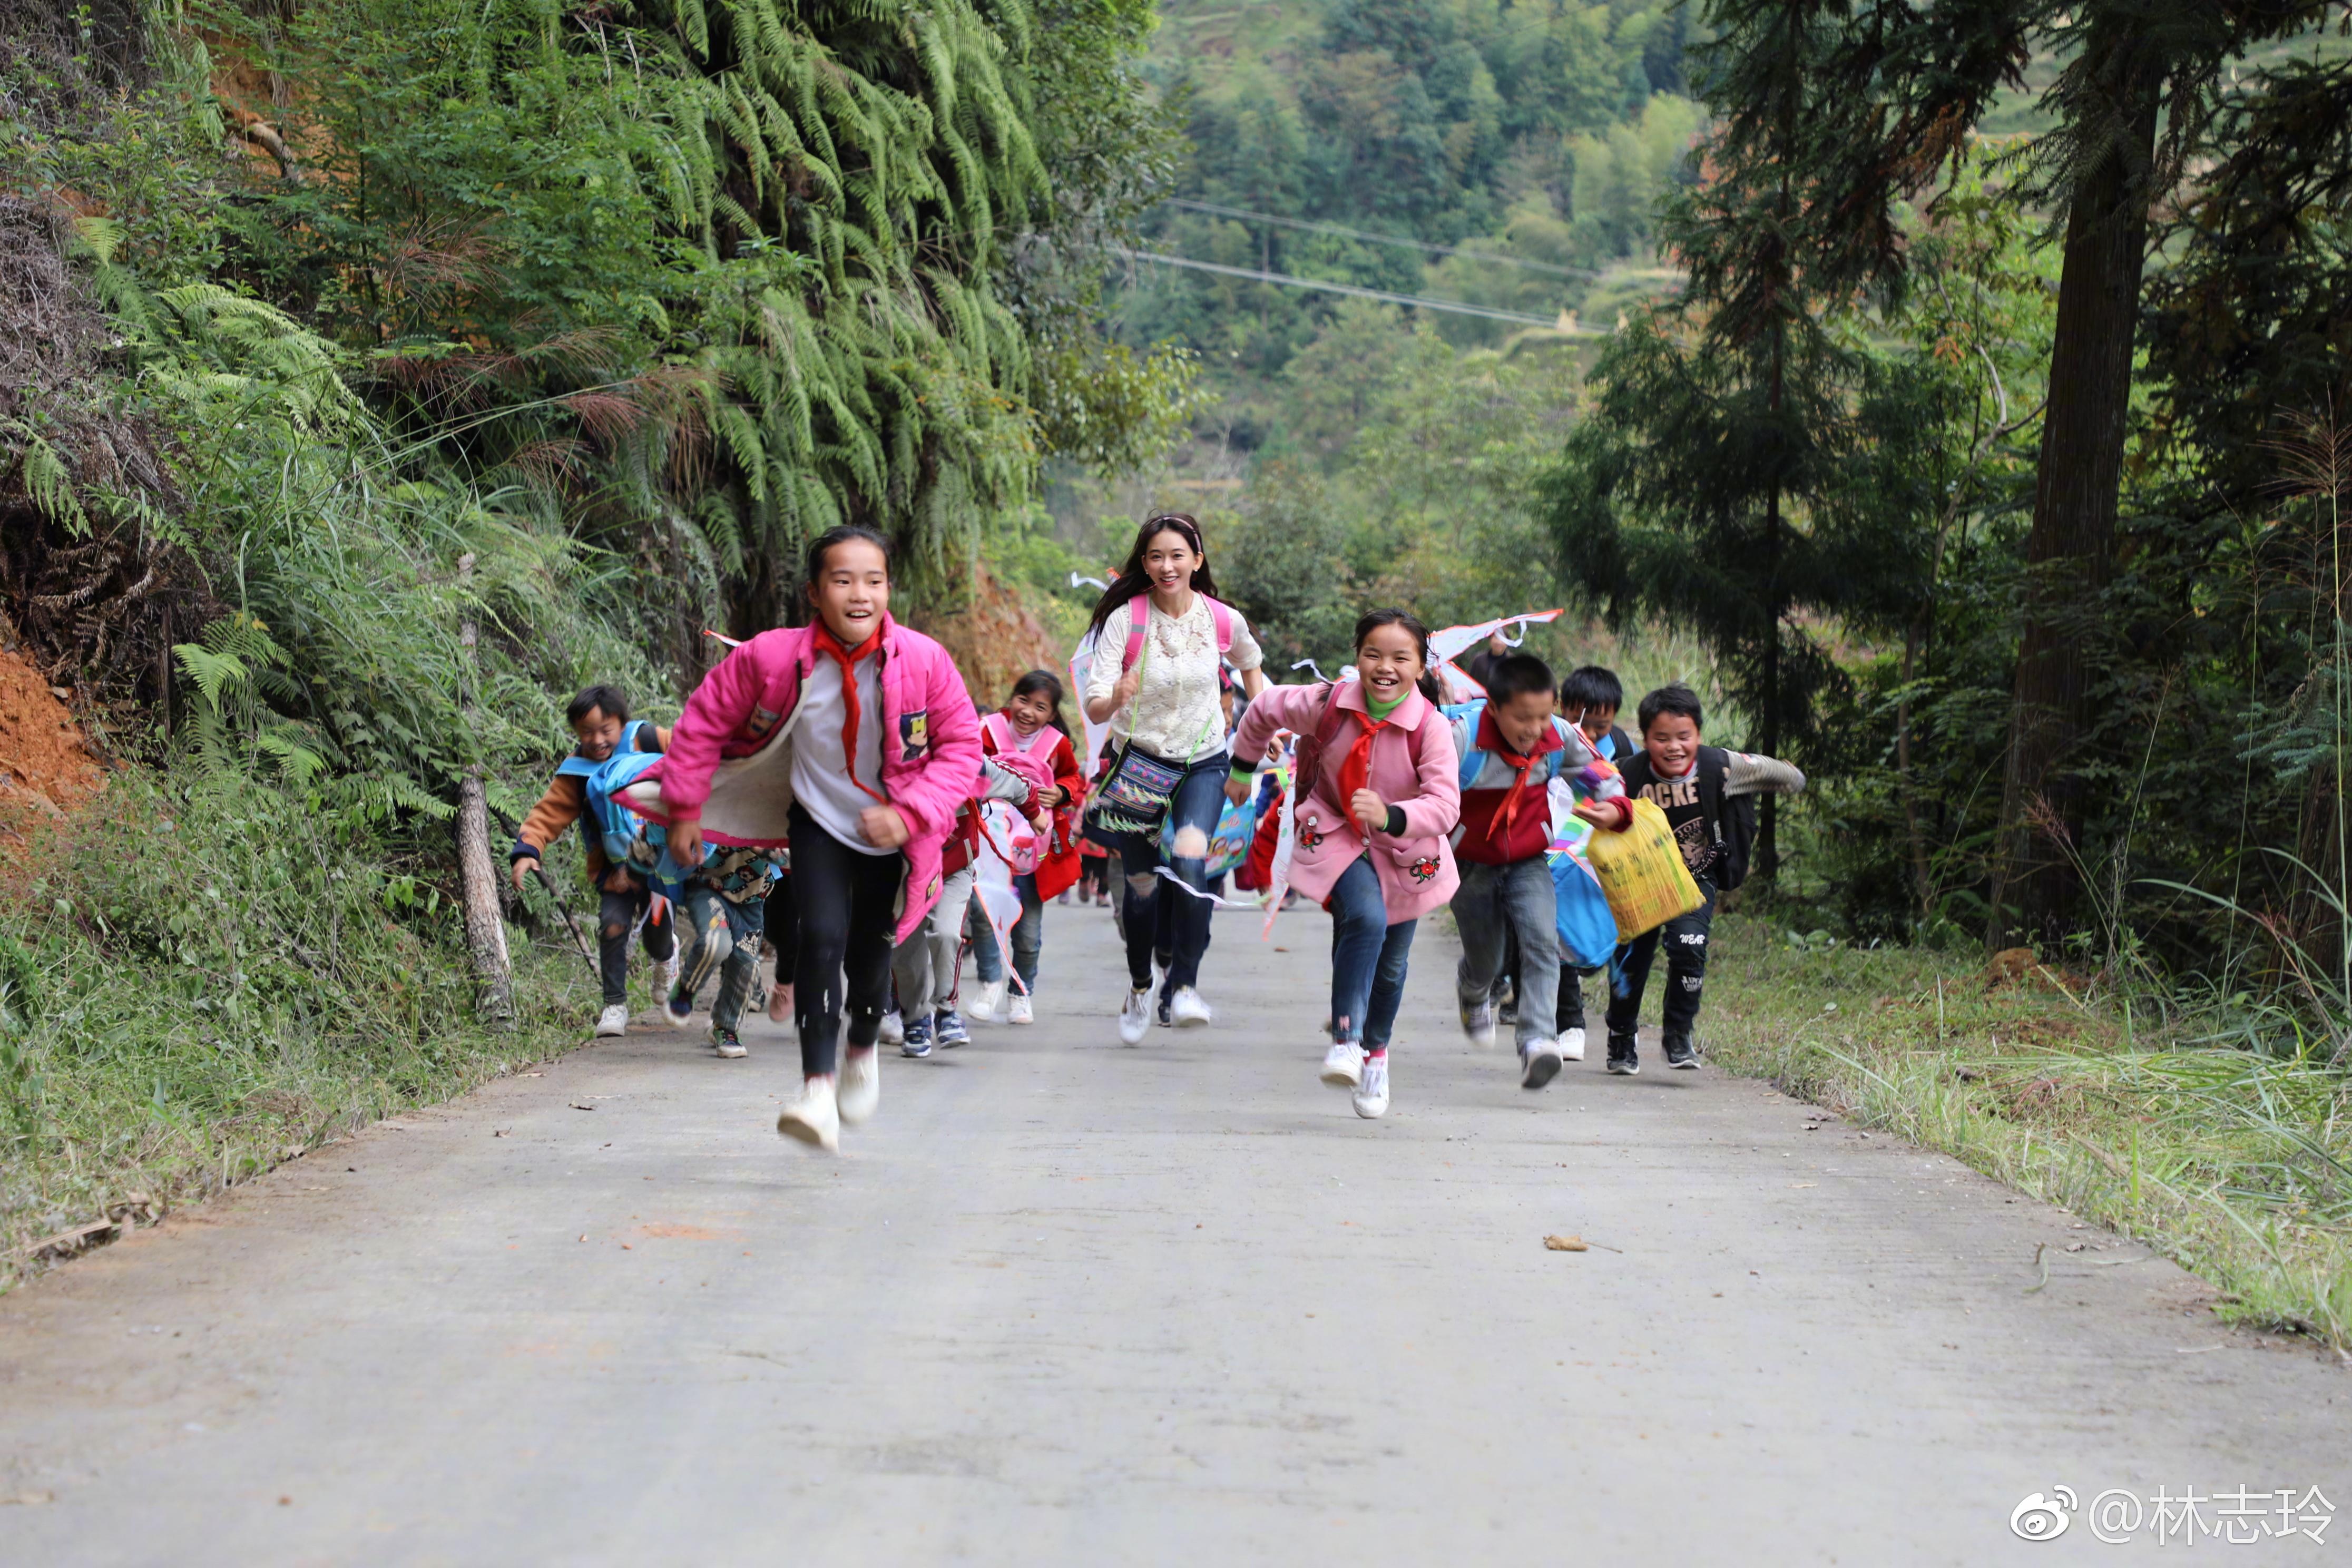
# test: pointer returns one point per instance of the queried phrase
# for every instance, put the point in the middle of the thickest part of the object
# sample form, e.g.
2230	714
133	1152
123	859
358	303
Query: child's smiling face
1389	660
1523	720
1672	741
597	734
1029	711
1596	723
853	592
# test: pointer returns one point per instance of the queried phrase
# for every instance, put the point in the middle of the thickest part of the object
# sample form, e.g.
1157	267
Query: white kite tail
992	881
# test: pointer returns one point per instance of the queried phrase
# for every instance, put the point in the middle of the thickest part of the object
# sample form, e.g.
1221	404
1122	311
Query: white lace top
1175	713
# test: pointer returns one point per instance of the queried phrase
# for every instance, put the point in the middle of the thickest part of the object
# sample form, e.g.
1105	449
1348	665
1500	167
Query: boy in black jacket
1701	789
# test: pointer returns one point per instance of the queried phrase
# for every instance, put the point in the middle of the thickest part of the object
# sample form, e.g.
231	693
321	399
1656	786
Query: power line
1313	226
1458	307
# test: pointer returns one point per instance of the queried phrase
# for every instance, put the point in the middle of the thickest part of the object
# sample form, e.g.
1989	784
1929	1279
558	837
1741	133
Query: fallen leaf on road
1796	1185
1565	1244
577	1106
28	1497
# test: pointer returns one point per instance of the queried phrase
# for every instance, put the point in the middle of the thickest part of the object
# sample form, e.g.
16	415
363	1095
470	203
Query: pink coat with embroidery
1414	767
729	756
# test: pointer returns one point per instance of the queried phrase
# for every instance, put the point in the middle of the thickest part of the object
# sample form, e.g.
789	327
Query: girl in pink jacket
854	740
1378	791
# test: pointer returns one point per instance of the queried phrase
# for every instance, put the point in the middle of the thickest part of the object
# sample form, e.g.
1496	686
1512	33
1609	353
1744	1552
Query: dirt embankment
44	762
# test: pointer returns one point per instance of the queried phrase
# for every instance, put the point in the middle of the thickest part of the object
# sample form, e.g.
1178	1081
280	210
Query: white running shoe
1343	1064
1186	1010
894	1028
670	968
613	1020
726	1044
1020	1011
861	1084
1571	1046
1372	1094
1135	1017
815	1117
1538	1063
990	1002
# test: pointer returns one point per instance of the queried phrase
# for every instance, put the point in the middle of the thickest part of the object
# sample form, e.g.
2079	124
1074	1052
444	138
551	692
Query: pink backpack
1139	619
1038	767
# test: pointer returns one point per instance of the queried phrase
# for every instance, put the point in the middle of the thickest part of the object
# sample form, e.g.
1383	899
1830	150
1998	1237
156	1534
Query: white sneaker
894	1028
1571	1046
988	1003
1372	1094
1343	1065
815	1117
1538	1063
613	1020
1135	1017
861	1084
1020	1011
1186	1010
670	968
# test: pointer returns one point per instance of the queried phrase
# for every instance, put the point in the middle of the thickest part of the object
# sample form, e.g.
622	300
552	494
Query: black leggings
783	923
848	907
616	914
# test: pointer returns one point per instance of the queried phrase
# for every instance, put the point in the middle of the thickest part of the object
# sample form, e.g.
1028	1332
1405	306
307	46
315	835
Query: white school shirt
1175	715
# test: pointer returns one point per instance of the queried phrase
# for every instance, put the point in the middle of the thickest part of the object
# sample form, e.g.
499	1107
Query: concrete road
1064	1302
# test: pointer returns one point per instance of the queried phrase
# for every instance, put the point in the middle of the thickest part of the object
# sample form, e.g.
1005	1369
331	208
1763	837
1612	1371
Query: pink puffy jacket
1414	767
729	758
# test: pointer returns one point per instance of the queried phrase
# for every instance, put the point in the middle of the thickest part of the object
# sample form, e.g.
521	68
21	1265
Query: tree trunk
486	933
2070	553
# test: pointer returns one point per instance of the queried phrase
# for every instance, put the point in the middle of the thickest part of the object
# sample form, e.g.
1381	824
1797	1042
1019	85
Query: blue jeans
1199	800
1028	936
1368	958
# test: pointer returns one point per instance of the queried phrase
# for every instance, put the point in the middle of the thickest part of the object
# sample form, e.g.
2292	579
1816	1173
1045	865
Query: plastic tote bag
1641	872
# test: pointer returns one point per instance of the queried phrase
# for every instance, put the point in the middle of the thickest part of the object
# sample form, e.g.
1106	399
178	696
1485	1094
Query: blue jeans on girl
1368	958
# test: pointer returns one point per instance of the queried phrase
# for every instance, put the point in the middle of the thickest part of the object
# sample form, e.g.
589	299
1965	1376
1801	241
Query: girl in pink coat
1378	791
852	739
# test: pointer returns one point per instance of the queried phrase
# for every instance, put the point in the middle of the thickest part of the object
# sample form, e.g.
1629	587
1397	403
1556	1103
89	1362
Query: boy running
599	718
1512	747
1694	785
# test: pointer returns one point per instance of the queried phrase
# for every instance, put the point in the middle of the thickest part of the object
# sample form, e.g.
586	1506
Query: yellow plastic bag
1641	872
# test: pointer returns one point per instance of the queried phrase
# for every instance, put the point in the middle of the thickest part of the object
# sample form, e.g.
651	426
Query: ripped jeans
1199	801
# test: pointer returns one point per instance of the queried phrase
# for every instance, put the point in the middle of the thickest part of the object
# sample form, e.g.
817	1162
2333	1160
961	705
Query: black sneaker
1623	1059
1508	1013
1160	1011
1679	1054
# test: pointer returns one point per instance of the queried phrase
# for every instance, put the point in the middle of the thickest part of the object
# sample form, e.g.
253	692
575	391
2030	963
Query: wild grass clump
202	976
2235	1163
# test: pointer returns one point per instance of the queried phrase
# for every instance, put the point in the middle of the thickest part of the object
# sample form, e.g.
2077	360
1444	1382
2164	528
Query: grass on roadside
2236	1166
199	980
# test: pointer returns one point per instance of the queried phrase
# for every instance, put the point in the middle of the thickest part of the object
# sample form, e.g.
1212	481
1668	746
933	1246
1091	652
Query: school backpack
1473	760
1731	819
615	826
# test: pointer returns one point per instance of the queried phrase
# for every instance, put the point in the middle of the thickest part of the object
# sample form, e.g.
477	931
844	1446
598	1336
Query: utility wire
1314	227
1458	307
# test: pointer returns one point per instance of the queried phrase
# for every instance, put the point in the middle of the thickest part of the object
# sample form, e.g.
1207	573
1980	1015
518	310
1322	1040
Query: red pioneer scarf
830	645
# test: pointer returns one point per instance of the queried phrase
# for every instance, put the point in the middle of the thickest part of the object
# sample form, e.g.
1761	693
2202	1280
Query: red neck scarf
847	657
1499	826
1355	771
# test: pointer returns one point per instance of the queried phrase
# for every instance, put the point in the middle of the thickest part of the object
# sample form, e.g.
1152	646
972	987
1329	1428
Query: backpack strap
1714	766
1223	615
1139	618
1308	751
997	731
1473	760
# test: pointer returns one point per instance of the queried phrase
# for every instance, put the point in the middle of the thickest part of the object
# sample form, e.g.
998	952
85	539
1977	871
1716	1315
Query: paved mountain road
1064	1302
